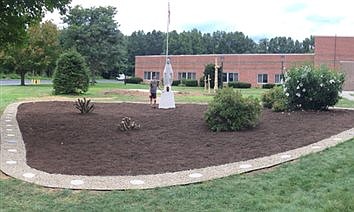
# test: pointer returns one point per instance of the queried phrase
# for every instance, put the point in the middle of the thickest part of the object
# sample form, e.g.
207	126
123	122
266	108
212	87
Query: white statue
167	99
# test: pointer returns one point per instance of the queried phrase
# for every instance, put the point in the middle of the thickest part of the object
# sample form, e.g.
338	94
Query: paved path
348	95
13	163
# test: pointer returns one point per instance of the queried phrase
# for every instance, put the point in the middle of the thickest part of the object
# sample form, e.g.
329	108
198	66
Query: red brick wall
248	66
331	51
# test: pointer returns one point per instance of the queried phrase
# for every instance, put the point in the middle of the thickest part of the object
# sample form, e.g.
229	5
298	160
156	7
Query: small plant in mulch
84	105
128	124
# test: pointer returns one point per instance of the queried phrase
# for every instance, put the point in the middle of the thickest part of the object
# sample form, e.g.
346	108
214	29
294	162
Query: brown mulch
60	140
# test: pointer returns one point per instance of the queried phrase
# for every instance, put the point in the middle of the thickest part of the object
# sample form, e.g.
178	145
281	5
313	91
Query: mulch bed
60	140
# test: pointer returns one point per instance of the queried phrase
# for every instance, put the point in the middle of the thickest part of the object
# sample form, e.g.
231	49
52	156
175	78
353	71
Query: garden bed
60	140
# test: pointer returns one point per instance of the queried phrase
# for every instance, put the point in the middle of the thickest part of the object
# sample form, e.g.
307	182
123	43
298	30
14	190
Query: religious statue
167	99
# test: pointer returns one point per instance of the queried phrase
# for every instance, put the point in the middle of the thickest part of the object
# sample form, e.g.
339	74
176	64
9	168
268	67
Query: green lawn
318	182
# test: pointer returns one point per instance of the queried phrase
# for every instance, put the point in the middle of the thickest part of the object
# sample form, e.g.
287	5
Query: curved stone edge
13	163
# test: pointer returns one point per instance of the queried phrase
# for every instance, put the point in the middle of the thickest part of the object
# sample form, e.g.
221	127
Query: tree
46	38
95	35
309	44
16	16
210	70
38	52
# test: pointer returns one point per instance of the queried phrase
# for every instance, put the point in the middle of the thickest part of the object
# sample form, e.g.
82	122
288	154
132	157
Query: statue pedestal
167	100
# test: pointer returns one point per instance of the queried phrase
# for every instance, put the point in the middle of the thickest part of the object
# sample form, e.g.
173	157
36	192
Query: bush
201	82
71	74
229	111
268	86
312	88
190	82
239	84
134	80
176	82
276	99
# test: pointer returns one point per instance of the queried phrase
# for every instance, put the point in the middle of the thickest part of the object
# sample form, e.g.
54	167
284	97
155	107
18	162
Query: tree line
95	34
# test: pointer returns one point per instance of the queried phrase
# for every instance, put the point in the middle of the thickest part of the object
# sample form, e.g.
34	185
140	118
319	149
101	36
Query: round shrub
275	99
71	74
229	111
312	88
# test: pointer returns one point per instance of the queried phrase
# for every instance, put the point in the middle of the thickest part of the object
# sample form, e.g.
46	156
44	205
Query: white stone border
13	163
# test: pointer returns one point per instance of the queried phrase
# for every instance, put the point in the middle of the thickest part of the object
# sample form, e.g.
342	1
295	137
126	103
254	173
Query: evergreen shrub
239	84
229	111
134	80
176	82
190	83
71	74
268	86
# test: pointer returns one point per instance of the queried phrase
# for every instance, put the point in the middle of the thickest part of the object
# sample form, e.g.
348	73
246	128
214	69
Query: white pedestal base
167	100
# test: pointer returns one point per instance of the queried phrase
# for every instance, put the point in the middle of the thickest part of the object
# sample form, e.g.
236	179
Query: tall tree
46	37
95	35
16	15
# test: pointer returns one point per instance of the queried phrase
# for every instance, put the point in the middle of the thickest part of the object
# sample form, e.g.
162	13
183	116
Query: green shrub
190	82
268	86
71	74
276	99
201	82
312	88
134	80
239	84
176	82
229	111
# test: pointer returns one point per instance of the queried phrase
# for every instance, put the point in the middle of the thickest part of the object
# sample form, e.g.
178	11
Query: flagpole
168	25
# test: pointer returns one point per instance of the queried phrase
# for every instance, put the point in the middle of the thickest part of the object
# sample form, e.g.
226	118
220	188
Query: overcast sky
256	18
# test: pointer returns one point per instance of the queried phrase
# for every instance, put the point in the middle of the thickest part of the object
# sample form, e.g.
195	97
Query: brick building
257	69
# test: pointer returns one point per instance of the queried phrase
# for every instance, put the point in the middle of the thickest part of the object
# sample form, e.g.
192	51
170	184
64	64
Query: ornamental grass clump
84	106
310	88
229	111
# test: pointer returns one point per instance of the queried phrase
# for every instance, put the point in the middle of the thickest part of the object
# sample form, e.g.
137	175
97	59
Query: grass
318	182
343	102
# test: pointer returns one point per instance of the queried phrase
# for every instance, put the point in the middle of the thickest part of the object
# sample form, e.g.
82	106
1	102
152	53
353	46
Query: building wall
348	68
337	53
329	50
248	66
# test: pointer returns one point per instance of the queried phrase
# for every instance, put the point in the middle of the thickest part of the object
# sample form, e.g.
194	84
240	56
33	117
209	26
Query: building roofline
218	55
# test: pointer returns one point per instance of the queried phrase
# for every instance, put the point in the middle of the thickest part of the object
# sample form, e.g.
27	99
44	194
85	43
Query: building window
278	78
233	77
186	75
224	77
148	75
262	78
229	77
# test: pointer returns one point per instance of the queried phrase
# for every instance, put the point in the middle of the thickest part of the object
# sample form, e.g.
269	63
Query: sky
298	19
